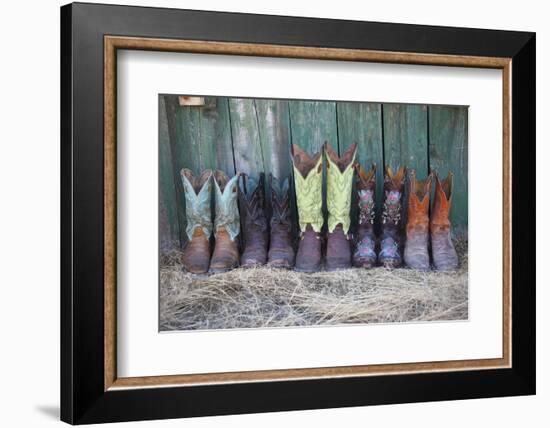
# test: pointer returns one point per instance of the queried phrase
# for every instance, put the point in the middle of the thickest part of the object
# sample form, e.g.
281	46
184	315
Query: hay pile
264	297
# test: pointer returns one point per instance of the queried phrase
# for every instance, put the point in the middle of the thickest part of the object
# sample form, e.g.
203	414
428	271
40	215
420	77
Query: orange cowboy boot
418	223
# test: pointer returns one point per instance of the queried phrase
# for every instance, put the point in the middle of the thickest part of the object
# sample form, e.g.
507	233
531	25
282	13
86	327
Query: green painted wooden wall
254	135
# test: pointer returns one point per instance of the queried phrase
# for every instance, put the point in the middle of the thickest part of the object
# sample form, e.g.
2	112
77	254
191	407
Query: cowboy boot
416	247
252	197
281	251
339	183
198	192
308	180
226	223
391	233
364	254
443	251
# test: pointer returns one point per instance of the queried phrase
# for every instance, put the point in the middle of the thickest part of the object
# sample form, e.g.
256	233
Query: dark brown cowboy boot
281	251
252	209
443	251
198	193
339	185
391	227
308	179
226	224
365	254
416	247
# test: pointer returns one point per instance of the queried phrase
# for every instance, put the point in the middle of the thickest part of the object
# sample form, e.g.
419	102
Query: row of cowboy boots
423	228
273	244
227	223
420	228
308	178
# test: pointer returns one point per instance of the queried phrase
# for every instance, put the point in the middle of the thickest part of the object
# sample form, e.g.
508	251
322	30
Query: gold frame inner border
113	43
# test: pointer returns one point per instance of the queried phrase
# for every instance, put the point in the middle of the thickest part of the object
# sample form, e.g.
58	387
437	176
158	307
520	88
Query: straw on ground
264	297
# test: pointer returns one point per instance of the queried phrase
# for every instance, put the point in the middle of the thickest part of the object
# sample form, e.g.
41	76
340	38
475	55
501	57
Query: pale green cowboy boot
198	194
308	180
227	224
339	187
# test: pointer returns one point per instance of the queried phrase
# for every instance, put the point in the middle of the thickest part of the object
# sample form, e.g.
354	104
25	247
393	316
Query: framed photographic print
265	213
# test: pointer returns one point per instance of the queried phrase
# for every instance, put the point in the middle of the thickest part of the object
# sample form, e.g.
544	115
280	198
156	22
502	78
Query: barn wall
254	135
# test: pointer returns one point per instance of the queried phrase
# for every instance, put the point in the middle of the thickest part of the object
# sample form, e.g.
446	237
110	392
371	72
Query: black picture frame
83	398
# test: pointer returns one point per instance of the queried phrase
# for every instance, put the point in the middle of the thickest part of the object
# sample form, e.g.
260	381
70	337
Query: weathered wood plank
168	208
449	151
178	160
274	133
406	137
361	123
247	148
313	123
215	141
187	148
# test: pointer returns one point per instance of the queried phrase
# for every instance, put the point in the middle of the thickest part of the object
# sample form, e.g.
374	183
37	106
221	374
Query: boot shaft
392	210
339	185
418	203
227	211
308	180
198	194
364	254
252	203
366	195
442	201
280	202
281	250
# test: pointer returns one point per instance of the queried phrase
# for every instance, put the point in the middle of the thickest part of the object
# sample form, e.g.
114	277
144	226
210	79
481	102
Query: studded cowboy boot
443	251
281	251
198	193
391	233
251	198
365	254
226	223
339	183
308	180
416	246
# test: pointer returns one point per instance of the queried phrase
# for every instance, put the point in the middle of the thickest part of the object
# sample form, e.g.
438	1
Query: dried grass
264	297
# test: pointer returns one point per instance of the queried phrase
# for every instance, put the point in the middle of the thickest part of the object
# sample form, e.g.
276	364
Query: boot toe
195	269
282	261
418	265
307	266
250	262
332	264
364	262
390	262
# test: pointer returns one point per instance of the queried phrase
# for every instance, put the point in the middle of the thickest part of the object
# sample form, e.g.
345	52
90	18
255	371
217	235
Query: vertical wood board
448	151
168	208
